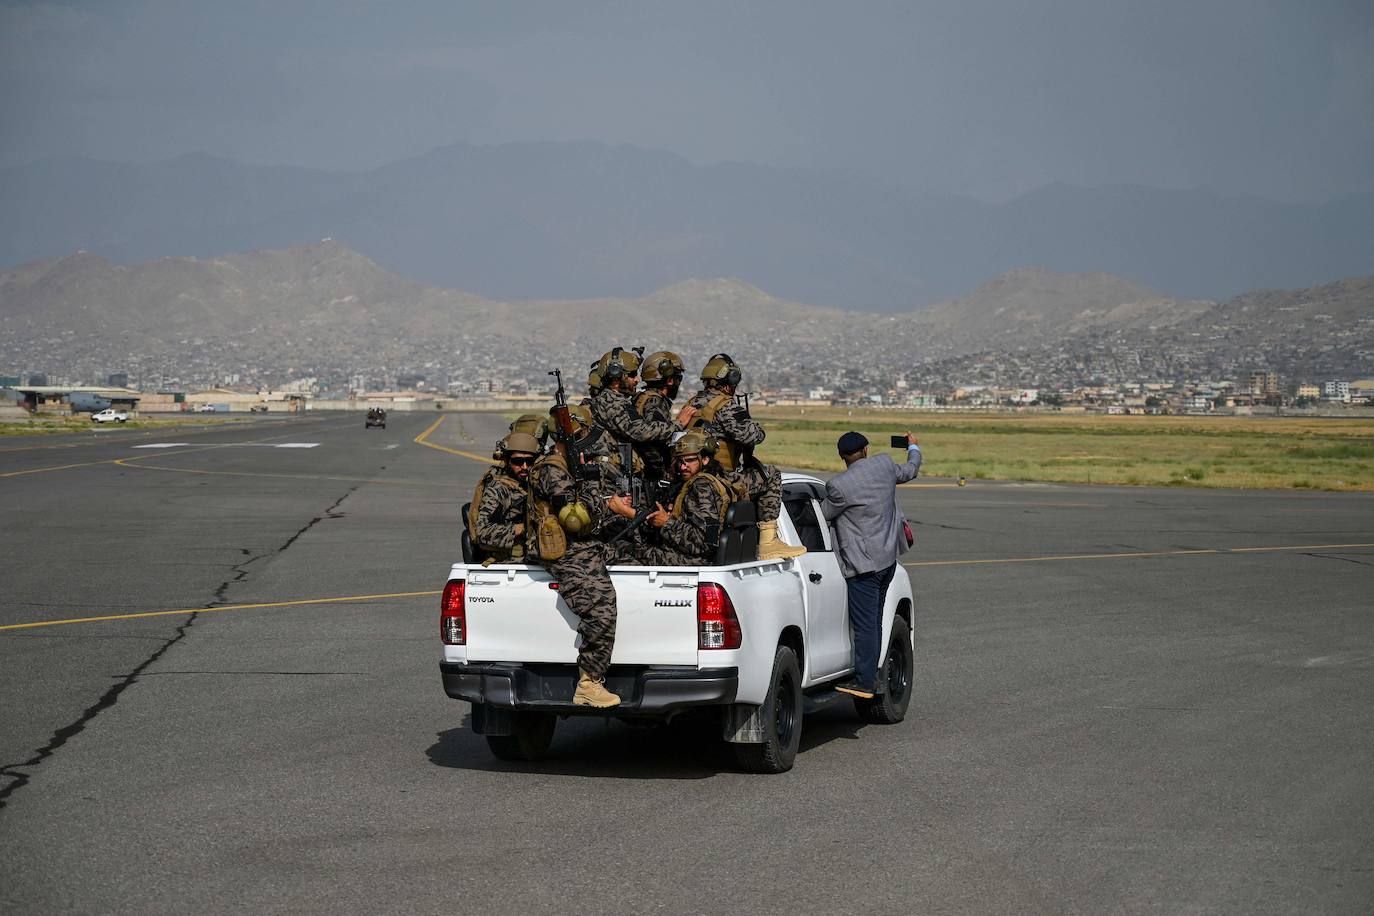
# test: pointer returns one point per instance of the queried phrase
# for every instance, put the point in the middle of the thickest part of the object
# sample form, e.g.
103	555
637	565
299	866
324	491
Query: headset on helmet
663	366
618	363
722	370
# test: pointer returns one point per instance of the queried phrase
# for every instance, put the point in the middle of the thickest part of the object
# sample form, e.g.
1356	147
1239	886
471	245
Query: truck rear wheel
530	740
889	707
782	716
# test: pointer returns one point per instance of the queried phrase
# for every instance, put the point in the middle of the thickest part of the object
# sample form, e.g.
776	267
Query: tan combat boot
592	692
770	548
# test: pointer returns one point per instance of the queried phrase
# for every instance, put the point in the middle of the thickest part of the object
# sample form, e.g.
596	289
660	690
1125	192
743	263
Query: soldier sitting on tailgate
567	516
737	433
661	374
613	410
496	519
689	532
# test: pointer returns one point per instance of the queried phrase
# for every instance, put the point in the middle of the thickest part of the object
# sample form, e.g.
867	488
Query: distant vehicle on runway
206	408
110	415
258	408
376	416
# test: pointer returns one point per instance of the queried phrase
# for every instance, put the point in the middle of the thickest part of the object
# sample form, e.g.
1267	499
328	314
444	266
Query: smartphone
899	442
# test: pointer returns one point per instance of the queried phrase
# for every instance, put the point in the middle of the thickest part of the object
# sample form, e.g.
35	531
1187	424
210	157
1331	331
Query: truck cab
753	642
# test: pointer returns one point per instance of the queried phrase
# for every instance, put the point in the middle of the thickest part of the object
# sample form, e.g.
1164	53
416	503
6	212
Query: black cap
851	442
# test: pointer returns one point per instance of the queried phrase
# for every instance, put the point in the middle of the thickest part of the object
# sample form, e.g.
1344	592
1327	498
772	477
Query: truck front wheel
530	740
782	718
889	707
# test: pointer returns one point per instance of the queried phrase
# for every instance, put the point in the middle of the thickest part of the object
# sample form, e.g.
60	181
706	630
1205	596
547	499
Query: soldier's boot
770	548
592	692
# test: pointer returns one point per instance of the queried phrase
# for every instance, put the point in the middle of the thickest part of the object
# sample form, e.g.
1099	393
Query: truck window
802	510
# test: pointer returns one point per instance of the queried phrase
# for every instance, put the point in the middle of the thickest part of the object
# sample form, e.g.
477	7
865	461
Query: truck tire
782	713
531	739
889	707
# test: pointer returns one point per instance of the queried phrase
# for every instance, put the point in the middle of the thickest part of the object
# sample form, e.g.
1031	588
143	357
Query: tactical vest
727	453
499	553
642	399
546	536
728	492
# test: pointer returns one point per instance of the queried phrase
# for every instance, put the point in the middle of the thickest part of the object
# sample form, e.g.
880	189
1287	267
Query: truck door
829	644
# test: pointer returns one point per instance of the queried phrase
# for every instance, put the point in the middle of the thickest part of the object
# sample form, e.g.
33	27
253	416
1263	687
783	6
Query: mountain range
327	311
591	221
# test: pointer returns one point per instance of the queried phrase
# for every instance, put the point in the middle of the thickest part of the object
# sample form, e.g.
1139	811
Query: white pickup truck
756	641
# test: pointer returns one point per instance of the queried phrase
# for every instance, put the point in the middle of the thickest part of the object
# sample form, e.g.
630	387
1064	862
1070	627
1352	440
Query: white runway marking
387	448
162	445
296	445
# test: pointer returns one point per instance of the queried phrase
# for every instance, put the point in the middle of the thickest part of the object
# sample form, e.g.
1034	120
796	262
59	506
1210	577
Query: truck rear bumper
644	691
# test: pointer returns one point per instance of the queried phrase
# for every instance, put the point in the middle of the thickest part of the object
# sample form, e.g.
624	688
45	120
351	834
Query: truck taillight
717	625
453	620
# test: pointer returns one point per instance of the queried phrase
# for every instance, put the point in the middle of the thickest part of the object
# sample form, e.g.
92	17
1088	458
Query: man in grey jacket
862	503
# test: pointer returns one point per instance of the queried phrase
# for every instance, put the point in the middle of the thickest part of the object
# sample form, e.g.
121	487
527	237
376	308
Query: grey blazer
862	502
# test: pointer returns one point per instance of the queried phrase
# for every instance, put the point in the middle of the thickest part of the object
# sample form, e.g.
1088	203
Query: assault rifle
560	412
628	482
567	430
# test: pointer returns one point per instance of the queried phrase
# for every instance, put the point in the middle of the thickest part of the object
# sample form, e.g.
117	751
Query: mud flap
743	724
492	720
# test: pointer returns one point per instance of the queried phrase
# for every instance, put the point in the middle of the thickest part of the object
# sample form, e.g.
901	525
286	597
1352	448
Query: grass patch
1237	452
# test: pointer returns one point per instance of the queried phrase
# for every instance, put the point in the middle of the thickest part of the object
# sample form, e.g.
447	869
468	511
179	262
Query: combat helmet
695	441
520	442
662	368
721	370
617	363
594	378
534	424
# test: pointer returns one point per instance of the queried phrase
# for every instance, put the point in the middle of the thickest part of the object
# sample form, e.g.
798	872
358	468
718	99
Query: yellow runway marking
301	602
60	467
423	438
1216	551
207	610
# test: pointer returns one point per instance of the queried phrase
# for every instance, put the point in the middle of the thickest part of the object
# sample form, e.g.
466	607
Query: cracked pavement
1162	732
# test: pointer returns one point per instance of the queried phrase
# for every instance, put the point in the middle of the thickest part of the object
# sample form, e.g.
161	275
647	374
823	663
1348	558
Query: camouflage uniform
654	405
614	412
733	424
691	536
501	508
583	582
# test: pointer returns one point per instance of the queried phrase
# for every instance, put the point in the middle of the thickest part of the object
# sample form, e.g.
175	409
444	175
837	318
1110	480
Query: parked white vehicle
110	415
758	641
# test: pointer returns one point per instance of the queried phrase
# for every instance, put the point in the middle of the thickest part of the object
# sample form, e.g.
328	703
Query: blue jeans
867	595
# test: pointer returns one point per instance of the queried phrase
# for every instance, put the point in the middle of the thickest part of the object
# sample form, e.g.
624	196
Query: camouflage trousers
764	483
586	588
642	553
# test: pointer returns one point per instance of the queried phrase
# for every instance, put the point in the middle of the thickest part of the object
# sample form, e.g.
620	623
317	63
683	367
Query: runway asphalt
1128	699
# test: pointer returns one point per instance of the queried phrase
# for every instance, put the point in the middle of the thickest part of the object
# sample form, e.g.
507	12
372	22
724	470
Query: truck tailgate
515	614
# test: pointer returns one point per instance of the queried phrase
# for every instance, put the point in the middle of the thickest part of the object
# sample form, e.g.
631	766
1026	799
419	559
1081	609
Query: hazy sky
983	98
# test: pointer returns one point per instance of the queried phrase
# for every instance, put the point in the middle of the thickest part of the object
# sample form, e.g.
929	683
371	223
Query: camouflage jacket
550	482
731	422
501	508
615	413
694	529
652	404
